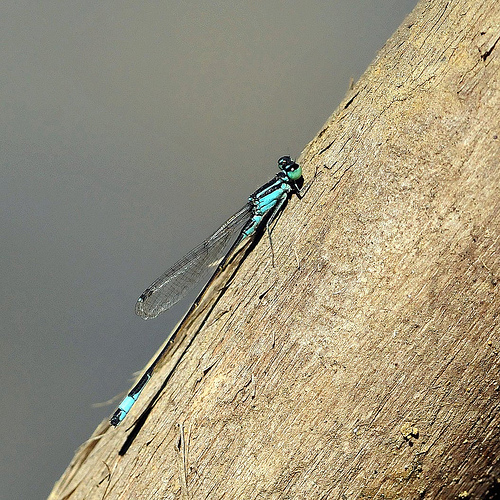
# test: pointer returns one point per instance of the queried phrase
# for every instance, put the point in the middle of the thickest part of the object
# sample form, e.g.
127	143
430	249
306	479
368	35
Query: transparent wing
175	282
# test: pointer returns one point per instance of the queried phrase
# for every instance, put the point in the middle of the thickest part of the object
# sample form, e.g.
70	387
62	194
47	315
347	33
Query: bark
365	363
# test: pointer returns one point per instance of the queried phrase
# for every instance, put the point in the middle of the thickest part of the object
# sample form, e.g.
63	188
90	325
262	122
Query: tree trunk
364	364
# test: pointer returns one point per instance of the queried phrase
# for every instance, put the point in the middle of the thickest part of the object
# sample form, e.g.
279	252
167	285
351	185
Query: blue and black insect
263	206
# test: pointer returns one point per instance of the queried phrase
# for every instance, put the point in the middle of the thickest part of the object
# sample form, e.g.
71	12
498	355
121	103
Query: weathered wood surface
365	364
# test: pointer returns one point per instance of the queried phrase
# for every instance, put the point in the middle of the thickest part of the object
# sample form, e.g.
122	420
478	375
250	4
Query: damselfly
261	210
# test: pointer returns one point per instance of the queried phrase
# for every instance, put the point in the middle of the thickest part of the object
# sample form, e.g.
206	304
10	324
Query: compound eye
292	170
284	162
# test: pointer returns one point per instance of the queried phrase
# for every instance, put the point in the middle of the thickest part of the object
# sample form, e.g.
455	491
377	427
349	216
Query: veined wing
175	282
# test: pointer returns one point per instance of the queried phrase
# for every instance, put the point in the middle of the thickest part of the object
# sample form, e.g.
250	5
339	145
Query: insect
262	208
